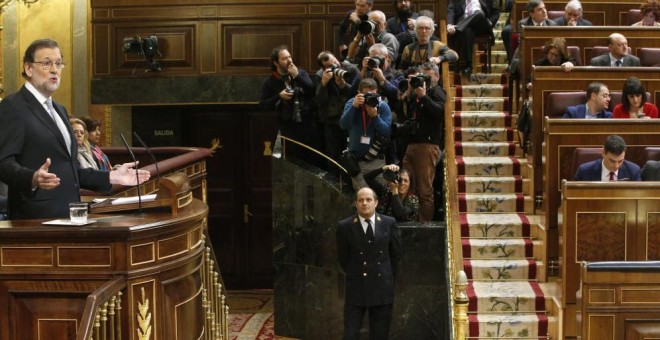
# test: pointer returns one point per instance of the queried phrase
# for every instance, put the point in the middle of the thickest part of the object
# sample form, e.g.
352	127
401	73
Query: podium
129	275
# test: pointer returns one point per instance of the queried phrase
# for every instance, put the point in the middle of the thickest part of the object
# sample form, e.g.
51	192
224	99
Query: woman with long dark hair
633	102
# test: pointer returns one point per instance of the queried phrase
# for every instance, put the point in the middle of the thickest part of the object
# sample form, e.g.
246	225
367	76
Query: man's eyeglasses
47	64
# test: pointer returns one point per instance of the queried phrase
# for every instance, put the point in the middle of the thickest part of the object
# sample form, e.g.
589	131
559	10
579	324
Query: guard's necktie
60	124
618	63
611	176
469	9
370	231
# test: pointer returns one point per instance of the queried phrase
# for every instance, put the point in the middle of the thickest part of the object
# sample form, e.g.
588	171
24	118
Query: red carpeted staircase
502	247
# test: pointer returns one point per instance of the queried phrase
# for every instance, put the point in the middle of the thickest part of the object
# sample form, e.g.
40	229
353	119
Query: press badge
365	140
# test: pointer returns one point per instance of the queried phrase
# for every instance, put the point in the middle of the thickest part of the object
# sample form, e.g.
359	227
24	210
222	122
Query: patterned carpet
251	315
500	249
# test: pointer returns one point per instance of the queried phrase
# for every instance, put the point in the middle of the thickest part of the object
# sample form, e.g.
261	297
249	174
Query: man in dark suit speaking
612	167
368	250
38	156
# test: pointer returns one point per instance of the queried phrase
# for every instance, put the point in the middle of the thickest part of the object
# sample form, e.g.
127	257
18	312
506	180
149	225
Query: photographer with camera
371	32
421	124
378	66
348	26
396	198
367	120
332	91
424	49
288	93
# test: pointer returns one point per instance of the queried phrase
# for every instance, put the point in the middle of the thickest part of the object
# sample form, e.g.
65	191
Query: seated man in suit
538	16
618	56
598	100
573	15
612	167
651	171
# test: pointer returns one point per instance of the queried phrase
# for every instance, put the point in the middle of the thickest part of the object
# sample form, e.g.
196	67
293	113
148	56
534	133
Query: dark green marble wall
308	284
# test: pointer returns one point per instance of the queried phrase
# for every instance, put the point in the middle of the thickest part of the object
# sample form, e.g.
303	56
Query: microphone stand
151	154
137	177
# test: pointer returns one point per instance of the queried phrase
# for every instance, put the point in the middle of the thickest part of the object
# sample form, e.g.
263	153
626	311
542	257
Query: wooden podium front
128	276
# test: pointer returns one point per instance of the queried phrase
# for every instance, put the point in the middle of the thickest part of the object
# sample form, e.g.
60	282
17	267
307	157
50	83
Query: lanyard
365	125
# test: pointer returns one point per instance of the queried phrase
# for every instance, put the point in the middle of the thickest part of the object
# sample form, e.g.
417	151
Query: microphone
153	158
137	177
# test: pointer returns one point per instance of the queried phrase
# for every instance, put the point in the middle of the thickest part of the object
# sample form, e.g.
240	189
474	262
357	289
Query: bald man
618	53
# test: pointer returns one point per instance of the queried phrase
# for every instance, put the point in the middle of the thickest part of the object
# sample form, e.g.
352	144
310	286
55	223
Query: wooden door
239	189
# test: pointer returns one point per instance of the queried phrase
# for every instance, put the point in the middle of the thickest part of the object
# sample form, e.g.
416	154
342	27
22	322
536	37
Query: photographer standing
371	32
378	66
349	25
423	121
367	120
332	92
402	24
288	93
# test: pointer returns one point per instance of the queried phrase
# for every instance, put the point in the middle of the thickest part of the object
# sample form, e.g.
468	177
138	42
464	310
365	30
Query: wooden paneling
218	38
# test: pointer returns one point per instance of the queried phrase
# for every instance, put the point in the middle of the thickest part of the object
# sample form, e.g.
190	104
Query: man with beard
38	158
360	45
349	25
402	24
288	93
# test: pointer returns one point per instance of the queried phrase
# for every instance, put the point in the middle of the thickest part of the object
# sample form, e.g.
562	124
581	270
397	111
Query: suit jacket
28	136
529	22
456	11
580	111
604	60
651	171
370	268
591	171
561	21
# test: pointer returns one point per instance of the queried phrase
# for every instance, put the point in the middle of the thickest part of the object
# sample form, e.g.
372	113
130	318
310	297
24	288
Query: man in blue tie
618	53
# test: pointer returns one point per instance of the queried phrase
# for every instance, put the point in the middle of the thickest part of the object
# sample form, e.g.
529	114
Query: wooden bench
562	136
619	300
605	221
600	13
586	38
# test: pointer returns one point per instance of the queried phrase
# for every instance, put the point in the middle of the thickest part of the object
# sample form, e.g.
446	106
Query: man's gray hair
380	15
382	49
427	20
574	4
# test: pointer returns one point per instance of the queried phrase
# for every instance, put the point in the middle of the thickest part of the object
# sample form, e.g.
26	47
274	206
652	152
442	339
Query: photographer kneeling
421	124
396	198
367	120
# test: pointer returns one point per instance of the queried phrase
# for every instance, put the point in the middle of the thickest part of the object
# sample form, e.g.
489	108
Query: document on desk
127	200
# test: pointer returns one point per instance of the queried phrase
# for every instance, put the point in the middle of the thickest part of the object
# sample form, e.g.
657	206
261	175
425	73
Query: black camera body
419	81
296	109
405	129
392	176
375	62
366	27
372	99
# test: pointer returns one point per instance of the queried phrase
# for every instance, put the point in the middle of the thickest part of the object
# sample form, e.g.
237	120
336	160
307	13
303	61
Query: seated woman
93	137
395	199
84	153
649	11
633	102
556	54
424	49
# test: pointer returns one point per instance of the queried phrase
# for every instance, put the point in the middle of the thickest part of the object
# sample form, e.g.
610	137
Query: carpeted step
464	134
480	78
509	326
481	91
498	248
494	67
489	166
496	57
505	296
482	149
490	184
481	104
490	203
523	269
482	119
494	225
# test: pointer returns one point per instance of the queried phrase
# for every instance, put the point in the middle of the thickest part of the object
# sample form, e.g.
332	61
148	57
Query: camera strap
365	125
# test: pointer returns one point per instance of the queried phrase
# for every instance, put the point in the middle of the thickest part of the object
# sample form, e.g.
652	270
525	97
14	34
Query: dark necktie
618	63
611	176
370	231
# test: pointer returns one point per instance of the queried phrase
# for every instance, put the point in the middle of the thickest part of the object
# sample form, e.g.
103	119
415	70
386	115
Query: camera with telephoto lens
372	99
296	112
419	81
338	72
405	129
375	62
377	145
391	176
366	27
